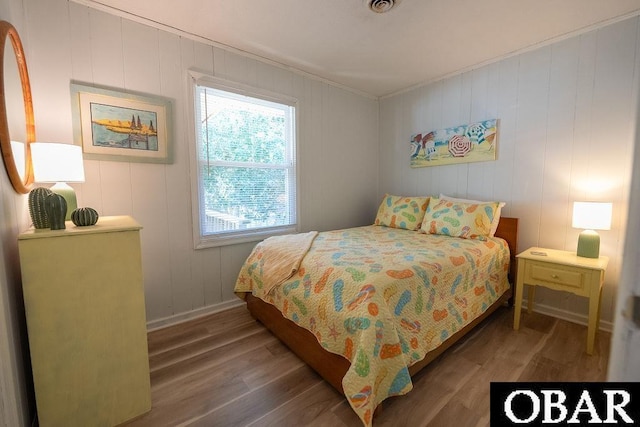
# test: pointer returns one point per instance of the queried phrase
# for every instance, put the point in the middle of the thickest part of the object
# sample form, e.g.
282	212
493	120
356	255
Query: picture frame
116	125
473	142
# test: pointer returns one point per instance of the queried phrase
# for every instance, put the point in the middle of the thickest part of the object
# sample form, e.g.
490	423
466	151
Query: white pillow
496	218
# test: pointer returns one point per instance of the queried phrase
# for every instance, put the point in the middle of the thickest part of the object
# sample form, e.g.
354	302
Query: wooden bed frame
333	367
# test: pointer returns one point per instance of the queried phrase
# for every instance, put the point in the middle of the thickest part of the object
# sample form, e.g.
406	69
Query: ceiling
378	54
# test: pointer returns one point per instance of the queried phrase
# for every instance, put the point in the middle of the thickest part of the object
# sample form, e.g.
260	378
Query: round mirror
17	129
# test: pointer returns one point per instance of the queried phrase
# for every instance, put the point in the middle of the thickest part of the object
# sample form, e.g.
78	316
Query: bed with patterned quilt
367	307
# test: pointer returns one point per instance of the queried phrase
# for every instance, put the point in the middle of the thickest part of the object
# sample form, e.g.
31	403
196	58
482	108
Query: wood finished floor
226	369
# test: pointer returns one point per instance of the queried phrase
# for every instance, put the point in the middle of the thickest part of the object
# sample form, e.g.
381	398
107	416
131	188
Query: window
246	169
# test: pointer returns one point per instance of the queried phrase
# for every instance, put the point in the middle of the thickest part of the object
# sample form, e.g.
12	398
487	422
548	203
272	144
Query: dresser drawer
561	276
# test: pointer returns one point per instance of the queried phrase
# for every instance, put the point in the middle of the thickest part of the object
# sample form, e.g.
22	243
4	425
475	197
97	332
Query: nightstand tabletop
556	256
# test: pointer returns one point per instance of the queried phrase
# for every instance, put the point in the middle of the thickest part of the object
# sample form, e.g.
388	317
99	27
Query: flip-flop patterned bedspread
384	297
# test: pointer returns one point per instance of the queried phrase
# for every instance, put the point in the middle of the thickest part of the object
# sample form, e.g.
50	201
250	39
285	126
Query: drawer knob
555	276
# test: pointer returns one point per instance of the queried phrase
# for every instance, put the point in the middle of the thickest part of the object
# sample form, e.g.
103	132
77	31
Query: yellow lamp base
589	244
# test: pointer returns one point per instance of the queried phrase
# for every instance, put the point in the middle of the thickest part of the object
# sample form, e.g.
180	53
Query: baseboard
189	315
570	316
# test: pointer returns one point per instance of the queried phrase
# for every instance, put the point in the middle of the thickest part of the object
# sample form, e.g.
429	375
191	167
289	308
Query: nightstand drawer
552	274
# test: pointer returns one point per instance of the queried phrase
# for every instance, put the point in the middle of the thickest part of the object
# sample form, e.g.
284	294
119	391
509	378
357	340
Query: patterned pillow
401	212
496	217
457	219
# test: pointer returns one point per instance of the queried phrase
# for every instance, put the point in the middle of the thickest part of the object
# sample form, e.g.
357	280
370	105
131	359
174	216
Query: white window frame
197	197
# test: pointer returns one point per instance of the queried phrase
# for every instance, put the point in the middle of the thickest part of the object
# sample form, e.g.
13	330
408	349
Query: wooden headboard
508	230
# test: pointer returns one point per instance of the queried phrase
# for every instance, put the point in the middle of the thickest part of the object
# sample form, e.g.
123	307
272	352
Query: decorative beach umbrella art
472	142
459	145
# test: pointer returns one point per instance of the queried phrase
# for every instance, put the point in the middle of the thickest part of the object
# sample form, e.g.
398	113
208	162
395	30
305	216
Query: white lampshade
59	163
592	215
55	162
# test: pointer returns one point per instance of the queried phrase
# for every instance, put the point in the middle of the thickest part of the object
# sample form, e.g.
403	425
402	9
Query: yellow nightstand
561	271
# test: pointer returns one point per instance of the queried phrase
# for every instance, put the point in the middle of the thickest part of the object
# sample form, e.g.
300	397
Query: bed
368	307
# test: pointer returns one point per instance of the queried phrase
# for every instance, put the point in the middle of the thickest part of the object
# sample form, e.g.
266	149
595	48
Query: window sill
212	241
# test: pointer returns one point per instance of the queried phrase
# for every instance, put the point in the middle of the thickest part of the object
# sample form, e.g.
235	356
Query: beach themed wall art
475	142
121	126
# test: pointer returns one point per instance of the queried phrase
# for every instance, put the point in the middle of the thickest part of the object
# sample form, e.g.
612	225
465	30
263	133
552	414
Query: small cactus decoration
56	207
84	216
37	208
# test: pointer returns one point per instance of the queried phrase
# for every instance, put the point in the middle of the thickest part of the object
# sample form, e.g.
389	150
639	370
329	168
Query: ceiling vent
381	6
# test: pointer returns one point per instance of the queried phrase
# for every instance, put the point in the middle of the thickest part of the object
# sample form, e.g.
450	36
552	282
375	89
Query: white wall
337	144
15	379
567	113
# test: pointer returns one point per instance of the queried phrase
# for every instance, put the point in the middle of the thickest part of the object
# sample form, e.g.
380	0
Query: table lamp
590	216
59	163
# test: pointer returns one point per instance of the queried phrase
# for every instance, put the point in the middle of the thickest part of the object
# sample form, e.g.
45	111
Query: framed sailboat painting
121	126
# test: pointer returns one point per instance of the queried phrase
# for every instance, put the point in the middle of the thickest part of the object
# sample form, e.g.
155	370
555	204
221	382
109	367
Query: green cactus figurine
37	208
84	216
56	207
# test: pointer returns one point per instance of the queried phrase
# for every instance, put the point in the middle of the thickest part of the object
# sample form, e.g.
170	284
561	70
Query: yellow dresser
84	303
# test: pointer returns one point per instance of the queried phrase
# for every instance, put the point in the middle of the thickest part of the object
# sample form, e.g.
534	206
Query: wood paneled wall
567	116
15	376
338	144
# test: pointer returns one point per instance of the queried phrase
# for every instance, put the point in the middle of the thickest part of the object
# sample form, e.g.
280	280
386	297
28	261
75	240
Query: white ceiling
344	42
